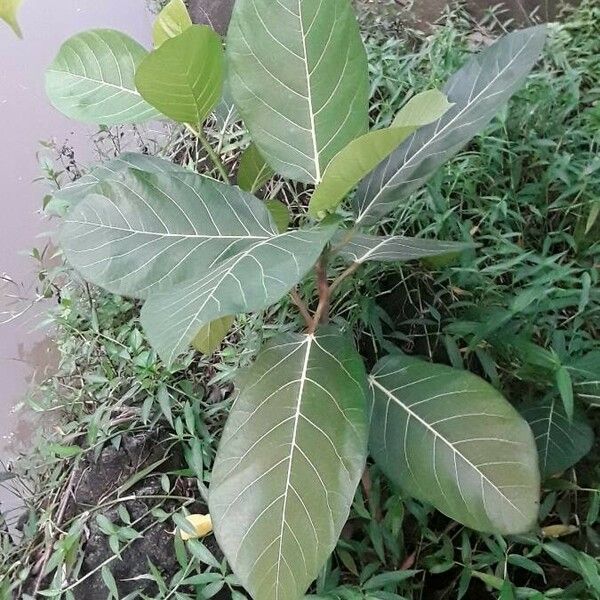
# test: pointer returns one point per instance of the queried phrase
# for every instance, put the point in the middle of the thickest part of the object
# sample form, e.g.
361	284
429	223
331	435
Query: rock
215	13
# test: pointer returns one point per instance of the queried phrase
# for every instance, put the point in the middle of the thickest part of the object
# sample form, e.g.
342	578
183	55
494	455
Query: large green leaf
363	248
363	154
561	442
288	464
184	77
450	439
8	13
73	193
254	171
172	20
247	282
478	90
585	372
92	79
298	73
139	231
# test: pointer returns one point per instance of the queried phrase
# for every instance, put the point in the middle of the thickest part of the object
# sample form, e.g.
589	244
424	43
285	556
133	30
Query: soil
97	481
523	12
215	13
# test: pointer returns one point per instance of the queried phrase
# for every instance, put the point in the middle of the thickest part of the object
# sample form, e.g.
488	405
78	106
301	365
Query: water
26	118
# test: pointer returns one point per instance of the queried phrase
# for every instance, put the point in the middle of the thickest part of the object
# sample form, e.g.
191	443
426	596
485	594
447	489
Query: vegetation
521	310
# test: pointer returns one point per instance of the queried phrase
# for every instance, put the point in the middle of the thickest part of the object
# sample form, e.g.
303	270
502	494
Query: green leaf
110	583
363	248
92	79
184	77
586	375
422	109
291	456
299	78
8	13
67	197
254	172
561	442
280	214
450	439
565	388
139	231
362	155
390	577
210	337
247	282
477	91
172	20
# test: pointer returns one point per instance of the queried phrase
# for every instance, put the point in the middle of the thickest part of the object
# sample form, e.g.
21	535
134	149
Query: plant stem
350	233
322	313
367	484
349	271
297	300
216	159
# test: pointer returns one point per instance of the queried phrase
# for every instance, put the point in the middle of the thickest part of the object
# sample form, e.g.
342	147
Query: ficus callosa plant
200	251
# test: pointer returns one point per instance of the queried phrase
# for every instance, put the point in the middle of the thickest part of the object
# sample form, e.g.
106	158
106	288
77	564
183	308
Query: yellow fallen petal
556	531
202	525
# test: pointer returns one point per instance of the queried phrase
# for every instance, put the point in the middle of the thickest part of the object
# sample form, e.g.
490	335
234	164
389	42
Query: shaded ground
522	11
217	12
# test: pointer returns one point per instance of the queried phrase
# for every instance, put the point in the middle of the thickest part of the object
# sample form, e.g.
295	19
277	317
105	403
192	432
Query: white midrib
313	129
438	435
303	378
101	81
216	236
443	130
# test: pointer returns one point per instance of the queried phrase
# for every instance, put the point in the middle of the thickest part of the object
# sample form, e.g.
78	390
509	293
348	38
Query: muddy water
26	118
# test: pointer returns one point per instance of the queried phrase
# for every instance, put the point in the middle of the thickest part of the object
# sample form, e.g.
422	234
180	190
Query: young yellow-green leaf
362	155
210	337
92	79
289	461
172	20
8	13
422	109
254	171
449	438
280	214
299	78
183	78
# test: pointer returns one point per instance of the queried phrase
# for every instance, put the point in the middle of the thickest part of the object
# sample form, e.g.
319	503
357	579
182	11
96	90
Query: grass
528	300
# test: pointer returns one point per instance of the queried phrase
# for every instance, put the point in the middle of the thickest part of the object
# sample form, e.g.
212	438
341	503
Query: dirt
215	13
100	480
521	12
